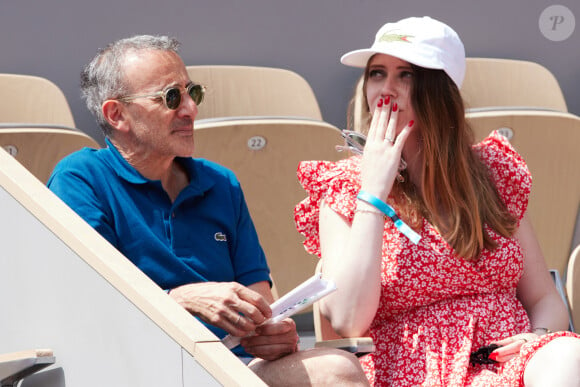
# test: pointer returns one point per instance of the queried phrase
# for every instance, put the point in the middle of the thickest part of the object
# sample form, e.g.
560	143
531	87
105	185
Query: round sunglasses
355	142
171	95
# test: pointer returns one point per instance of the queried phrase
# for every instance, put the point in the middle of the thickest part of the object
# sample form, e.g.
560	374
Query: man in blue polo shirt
183	221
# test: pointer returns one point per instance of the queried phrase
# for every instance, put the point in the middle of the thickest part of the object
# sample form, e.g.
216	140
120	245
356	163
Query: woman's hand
510	347
382	152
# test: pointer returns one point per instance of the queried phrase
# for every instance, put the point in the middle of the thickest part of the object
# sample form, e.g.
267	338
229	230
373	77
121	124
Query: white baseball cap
422	41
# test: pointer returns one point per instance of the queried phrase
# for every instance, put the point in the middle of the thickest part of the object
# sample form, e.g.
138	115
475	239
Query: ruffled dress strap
508	170
337	183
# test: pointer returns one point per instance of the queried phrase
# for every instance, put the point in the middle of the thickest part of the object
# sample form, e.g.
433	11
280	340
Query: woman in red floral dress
467	272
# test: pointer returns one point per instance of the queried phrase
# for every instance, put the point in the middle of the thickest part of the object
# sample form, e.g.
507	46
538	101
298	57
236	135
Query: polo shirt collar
123	169
198	182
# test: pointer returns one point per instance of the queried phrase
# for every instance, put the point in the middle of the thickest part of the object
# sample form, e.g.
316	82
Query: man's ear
115	114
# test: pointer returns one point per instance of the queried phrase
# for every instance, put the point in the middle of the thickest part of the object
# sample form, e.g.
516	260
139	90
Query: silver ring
238	320
391	140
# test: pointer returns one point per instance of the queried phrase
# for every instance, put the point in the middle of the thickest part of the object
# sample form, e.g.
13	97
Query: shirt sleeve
337	184
71	186
249	260
509	171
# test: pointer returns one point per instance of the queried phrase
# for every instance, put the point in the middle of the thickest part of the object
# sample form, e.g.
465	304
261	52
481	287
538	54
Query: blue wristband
390	212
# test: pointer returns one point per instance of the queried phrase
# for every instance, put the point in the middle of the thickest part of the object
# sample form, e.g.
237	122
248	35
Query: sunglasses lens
196	92
355	142
355	139
173	98
358	139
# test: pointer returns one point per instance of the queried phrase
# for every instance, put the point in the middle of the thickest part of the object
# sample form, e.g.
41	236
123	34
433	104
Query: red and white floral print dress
435	308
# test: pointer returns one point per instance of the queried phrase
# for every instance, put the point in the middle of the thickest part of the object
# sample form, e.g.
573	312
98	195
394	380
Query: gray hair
103	77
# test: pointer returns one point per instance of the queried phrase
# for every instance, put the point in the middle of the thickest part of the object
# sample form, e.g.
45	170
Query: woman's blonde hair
458	195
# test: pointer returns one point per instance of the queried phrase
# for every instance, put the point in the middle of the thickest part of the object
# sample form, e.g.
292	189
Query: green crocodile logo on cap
390	37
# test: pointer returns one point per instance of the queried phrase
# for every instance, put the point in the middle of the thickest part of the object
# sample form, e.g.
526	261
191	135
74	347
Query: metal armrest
18	365
560	287
357	345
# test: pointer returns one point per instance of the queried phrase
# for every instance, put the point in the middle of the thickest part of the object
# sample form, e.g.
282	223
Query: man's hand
272	340
228	305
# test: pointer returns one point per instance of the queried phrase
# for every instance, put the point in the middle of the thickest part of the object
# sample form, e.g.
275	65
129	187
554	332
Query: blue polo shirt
206	234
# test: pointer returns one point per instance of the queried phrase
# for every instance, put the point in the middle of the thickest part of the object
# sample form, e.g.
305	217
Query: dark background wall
54	39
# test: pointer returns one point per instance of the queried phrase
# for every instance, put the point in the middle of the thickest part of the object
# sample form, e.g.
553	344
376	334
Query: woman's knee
556	362
563	349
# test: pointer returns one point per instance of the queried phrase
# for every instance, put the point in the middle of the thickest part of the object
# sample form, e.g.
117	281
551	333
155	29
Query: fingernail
380	104
411	123
387	99
395	107
493	356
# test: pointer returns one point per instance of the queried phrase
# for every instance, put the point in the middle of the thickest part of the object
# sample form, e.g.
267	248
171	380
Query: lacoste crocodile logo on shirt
220	237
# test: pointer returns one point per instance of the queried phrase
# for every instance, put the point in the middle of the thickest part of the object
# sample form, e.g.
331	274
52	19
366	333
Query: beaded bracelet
390	212
369	211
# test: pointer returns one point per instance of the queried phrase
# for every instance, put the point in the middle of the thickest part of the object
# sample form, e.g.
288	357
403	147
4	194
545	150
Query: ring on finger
238	320
391	140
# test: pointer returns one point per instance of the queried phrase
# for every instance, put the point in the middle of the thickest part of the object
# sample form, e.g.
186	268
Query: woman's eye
406	74
374	74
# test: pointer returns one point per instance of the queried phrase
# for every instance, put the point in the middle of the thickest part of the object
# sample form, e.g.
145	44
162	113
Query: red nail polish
380	104
411	123
395	107
493	356
387	99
